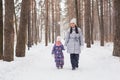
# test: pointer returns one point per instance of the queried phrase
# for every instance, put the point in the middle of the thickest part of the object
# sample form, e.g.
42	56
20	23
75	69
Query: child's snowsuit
58	54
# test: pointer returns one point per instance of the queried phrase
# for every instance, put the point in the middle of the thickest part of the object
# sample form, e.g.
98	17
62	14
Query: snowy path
96	63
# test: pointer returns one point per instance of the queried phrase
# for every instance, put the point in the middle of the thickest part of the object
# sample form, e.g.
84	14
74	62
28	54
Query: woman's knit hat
73	20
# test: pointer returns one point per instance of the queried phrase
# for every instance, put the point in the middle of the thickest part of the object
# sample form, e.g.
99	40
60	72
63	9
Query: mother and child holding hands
73	43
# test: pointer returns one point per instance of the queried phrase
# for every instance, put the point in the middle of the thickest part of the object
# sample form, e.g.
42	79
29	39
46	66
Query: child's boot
61	66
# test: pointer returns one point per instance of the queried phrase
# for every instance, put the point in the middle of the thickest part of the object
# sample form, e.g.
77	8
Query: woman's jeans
74	60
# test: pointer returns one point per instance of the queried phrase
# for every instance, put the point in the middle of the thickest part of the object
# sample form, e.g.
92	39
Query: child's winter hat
73	20
58	38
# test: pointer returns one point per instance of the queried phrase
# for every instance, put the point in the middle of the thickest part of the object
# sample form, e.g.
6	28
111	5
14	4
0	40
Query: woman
73	42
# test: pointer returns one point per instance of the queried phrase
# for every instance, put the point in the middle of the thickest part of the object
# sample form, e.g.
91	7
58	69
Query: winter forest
28	27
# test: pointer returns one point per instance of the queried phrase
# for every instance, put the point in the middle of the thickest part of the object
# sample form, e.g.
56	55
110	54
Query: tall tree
92	20
87	23
9	31
101	24
21	38
35	22
110	19
76	11
101	20
96	19
116	51
106	20
1	30
34	27
71	9
79	22
53	21
29	27
49	22
32	22
46	24
57	18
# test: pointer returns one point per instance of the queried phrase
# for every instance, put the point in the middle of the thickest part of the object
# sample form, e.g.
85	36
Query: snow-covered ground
96	63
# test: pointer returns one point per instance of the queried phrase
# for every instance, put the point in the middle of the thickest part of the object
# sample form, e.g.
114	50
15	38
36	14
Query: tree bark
53	36
87	22
46	24
57	26
106	20
29	27
1	30
49	22
79	14
116	51
101	24
9	31
110	20
92	22
35	26
22	34
76	11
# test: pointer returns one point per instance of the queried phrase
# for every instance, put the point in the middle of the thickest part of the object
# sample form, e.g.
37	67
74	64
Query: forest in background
33	21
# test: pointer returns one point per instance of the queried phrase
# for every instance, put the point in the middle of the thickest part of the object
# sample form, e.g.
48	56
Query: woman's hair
76	30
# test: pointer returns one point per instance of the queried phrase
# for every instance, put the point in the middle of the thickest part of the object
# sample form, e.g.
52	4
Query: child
58	54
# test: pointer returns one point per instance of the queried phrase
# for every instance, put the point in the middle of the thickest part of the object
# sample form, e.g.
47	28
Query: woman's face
72	24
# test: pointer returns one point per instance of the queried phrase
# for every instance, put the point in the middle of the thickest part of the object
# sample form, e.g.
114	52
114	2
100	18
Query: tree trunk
92	22
22	34
101	24
53	22
79	14
35	26
49	22
29	31
32	22
87	22
76	11
9	31
106	20
1	30
58	18
71	9
29	27
46	24
116	51
110	20
98	14
41	22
